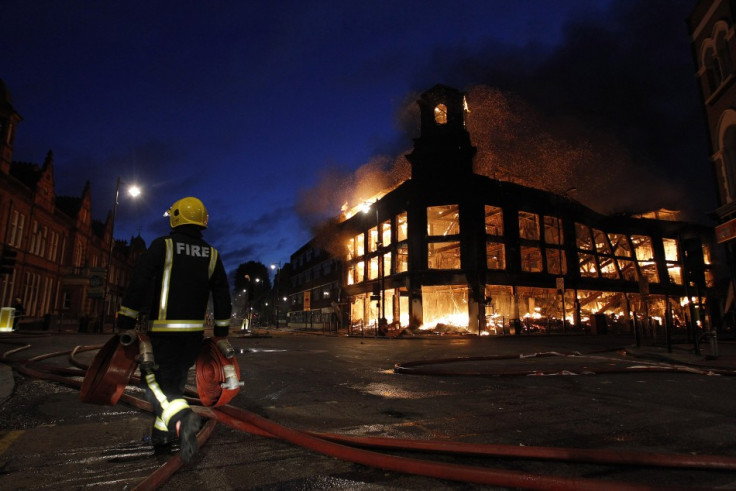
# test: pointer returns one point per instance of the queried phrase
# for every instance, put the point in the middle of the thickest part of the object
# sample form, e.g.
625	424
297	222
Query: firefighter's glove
223	344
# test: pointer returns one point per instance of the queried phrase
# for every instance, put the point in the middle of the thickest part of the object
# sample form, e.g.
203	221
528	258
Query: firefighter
174	280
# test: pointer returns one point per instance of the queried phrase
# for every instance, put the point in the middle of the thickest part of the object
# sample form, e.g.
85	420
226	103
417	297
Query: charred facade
449	249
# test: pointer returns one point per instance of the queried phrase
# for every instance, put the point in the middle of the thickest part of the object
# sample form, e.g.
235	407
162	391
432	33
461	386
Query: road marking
7	440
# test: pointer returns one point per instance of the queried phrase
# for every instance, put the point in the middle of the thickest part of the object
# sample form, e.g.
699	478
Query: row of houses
63	266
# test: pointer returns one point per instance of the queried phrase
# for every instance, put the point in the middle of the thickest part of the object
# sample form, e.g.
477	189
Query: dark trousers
174	354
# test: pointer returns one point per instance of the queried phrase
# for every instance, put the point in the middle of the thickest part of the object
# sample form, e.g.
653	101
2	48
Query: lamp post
133	191
277	270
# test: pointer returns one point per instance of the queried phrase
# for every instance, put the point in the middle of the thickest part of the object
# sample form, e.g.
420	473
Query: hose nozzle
231	378
145	355
225	348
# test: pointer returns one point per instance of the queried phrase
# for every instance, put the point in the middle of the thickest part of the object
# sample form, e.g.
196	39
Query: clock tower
443	150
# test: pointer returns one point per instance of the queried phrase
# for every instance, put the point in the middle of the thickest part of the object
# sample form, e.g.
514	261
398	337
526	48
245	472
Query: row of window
541	242
42	241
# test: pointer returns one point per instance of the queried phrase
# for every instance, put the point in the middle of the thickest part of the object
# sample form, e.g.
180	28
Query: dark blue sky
252	106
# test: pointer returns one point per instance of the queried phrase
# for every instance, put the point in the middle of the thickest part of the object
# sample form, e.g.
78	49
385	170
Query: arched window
440	114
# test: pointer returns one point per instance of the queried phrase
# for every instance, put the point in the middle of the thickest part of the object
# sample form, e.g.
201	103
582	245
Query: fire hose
344	447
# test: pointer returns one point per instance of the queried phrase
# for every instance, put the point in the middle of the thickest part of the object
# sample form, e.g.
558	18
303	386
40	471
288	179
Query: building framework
452	250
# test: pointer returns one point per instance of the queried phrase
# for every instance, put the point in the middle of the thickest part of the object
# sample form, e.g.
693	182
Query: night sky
276	113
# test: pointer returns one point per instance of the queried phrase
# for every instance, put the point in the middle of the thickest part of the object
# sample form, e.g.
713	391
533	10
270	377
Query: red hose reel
217	376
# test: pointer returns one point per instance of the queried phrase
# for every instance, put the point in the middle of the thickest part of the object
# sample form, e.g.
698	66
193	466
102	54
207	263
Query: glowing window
402	259
401	233
531	259
359	245
443	255
495	255
553	230
643	247
670	249
601	242
440	114
587	265
386	233
528	225
620	245
582	237
628	269
443	220
608	268
649	271
359	272
675	273
387	264
494	220
351	248
556	262
373	268
373	239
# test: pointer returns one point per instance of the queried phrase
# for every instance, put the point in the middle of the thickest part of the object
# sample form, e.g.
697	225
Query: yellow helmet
187	211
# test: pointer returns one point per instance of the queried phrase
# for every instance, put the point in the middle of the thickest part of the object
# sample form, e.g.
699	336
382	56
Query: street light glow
134	191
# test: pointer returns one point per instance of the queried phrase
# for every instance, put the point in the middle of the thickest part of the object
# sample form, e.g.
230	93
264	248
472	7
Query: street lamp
277	270
133	191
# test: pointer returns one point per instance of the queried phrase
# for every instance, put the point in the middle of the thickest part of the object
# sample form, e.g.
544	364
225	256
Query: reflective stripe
187	325
160	425
166	279
213	261
157	392
169	408
128	312
223	322
172	409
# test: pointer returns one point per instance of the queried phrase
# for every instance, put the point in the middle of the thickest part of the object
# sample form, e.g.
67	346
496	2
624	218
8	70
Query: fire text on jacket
192	250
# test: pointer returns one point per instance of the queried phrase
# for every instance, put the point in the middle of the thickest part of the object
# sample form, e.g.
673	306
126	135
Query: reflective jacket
173	279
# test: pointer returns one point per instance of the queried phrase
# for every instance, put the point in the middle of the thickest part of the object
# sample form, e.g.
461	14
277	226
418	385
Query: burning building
452	250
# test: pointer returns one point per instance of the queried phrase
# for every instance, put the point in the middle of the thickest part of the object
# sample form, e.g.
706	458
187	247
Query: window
443	255
608	268
553	230
373	268
385	233
387	264
644	253
495	255
601	242
670	250
443	220
587	265
672	256
494	220
402	259
17	222
583	238
440	114
351	248
373	239
359	245
531	259
528	225
620	245
401	233
556	262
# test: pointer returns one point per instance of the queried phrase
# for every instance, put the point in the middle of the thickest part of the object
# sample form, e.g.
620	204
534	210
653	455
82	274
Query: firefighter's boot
187	428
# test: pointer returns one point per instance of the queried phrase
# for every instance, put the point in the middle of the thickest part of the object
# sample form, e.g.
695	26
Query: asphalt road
348	386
